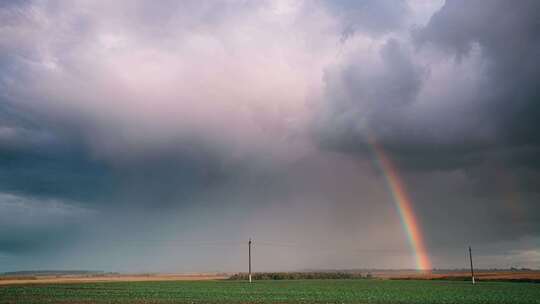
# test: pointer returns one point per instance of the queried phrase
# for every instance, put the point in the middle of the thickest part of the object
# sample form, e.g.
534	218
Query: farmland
299	291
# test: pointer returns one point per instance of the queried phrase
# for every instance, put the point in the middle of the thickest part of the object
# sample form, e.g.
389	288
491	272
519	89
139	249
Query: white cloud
139	76
231	77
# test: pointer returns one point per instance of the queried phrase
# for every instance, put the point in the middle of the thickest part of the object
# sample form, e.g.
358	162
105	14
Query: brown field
8	280
482	275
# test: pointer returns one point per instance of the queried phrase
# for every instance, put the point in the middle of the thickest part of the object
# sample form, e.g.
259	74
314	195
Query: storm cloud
131	129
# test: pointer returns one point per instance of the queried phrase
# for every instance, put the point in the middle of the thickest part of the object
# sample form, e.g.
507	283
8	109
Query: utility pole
472	269
249	253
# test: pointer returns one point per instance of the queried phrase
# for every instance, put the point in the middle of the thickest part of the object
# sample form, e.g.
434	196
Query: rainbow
403	204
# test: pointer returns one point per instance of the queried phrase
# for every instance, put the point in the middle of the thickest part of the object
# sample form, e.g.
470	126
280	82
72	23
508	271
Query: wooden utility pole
472	268
249	253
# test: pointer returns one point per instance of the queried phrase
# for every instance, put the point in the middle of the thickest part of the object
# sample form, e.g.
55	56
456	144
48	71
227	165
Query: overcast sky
161	136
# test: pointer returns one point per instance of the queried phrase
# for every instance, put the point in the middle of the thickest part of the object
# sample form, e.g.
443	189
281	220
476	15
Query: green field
301	291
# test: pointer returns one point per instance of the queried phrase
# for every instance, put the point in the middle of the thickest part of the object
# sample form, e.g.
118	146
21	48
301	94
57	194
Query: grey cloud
52	160
369	17
30	223
40	159
495	109
507	35
365	95
457	112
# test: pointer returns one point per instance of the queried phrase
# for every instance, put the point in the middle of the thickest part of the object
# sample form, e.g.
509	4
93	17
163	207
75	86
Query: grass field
301	291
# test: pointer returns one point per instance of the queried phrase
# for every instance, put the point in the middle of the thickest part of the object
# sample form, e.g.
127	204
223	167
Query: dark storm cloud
51	186
457	109
366	96
42	160
53	160
508	36
47	178
500	111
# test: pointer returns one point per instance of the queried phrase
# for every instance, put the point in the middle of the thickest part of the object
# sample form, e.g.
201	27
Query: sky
143	136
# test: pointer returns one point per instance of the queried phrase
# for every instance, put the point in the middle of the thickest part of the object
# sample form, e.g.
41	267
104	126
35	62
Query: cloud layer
223	120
